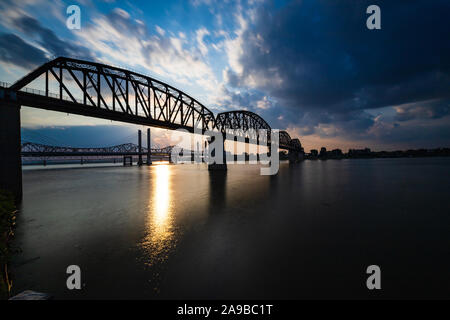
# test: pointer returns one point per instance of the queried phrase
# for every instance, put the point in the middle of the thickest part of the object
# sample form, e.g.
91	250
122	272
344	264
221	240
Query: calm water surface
179	231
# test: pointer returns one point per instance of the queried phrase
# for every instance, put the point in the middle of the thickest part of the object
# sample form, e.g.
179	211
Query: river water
180	231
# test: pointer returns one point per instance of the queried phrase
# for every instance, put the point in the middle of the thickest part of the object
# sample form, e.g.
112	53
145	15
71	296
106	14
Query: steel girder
244	124
288	143
119	93
240	120
285	138
102	91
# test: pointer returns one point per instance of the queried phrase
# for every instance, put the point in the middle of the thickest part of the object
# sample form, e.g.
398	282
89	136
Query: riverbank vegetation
7	223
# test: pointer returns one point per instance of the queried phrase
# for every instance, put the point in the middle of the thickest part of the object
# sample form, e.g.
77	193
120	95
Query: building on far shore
359	153
367	153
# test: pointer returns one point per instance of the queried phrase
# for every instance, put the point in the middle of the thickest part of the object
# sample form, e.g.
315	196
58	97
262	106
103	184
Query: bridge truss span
286	142
250	125
95	89
243	123
102	91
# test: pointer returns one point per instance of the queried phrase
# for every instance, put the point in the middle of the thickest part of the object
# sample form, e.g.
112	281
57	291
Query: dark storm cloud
49	40
332	66
232	78
16	51
248	100
423	110
424	135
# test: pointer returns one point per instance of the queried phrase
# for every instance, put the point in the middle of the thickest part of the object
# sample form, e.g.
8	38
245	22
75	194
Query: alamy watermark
374	20
374	280
73	21
74	280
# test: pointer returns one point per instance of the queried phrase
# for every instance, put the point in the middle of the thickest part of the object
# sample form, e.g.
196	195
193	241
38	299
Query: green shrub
7	222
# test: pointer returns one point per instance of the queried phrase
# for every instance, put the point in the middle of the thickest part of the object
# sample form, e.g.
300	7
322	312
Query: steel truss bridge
98	90
31	149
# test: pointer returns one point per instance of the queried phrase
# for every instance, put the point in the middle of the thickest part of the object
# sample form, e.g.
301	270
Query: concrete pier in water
10	148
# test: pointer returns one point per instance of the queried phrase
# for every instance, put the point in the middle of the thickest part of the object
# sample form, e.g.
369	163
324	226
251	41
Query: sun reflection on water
160	231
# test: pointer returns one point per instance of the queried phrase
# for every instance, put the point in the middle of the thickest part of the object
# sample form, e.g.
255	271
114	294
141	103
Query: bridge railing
4	84
50	94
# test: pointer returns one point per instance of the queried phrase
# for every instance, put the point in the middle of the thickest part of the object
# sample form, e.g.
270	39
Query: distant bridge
102	91
31	149
32	152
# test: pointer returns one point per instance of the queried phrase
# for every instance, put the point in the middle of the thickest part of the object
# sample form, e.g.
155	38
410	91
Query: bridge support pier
218	166
125	158
257	149
149	150
10	148
295	156
247	150
235	149
140	147
198	156
205	153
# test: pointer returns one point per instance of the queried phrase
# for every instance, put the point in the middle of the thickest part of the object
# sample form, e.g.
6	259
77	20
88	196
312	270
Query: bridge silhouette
35	151
102	91
32	149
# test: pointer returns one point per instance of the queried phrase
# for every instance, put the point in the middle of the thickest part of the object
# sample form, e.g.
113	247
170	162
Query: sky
311	67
